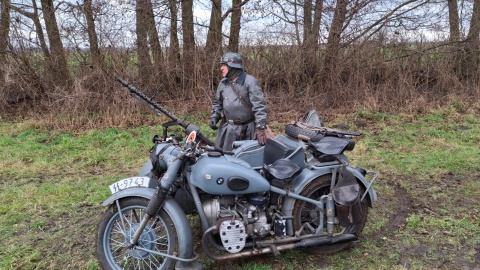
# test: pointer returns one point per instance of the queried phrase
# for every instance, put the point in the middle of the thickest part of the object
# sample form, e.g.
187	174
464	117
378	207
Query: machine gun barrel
187	126
151	102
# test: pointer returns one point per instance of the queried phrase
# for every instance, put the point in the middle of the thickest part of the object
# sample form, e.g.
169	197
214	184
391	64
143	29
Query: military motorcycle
296	191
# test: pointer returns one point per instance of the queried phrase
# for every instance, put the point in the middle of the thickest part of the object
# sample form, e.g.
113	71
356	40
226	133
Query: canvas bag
346	194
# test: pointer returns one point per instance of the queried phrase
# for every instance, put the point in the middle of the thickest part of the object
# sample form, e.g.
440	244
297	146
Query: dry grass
378	79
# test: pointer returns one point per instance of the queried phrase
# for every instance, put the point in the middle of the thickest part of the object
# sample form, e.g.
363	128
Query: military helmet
232	59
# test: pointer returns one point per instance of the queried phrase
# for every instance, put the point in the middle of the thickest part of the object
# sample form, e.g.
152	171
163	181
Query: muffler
276	245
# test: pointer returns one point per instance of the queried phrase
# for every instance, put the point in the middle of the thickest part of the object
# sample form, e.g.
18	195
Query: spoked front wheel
116	229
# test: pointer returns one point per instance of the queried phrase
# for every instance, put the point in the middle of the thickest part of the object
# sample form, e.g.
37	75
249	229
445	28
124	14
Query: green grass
53	182
421	145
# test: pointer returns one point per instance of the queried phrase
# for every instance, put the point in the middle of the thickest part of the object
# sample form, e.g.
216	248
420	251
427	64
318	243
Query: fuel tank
226	175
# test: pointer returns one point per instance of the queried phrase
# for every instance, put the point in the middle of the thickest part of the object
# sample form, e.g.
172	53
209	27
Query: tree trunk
59	70
41	37
188	45
333	40
317	18
235	26
174	50
311	35
474	31
4	36
154	41
144	63
453	20
307	20
472	45
92	35
48	80
214	36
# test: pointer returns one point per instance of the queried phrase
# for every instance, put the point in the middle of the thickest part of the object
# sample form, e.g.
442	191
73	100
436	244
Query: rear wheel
307	212
116	229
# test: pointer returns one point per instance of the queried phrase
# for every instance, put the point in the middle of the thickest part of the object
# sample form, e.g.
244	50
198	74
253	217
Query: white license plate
129	183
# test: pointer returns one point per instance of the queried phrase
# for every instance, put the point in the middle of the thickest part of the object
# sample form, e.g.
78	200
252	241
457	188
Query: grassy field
427	217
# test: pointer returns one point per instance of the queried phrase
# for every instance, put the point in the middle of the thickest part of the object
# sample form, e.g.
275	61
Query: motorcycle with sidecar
296	191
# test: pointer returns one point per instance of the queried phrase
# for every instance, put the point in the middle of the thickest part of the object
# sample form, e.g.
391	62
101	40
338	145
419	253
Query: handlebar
220	150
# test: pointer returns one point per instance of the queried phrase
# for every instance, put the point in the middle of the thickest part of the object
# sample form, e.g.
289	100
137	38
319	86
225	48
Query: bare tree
188	44
24	59
174	53
236	11
453	20
59	70
143	52
311	31
39	30
92	35
235	25
333	41
153	39
472	44
214	35
4	35
147	42
474	30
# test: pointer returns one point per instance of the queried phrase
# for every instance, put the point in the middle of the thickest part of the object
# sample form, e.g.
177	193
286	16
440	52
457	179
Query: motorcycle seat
283	169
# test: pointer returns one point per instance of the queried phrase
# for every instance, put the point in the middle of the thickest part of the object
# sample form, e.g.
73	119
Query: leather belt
239	122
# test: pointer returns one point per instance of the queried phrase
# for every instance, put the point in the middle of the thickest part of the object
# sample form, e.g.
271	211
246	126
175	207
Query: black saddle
283	169
330	145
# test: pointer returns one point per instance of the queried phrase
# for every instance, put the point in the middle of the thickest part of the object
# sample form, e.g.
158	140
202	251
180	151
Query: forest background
59	58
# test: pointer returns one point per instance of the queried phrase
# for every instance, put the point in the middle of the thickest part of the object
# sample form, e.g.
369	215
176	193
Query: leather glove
261	136
213	123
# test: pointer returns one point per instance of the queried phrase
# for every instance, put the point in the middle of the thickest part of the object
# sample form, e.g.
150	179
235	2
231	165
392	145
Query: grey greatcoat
238	122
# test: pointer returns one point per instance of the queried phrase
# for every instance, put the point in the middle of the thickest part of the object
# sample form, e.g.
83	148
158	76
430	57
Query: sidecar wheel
115	231
306	212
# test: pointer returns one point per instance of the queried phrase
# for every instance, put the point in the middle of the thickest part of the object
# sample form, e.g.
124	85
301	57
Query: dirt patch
431	224
405	205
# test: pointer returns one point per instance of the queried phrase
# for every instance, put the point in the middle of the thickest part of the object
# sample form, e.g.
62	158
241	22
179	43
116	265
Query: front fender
146	168
174	211
130	192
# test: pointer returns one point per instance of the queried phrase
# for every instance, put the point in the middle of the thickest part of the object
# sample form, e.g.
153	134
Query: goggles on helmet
226	59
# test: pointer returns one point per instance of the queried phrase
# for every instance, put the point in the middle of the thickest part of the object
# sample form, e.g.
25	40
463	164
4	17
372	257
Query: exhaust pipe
272	246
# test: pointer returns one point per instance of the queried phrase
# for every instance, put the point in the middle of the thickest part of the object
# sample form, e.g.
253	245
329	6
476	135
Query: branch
384	19
231	9
27	14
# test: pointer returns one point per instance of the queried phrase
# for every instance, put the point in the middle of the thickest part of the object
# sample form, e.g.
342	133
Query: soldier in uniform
239	104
